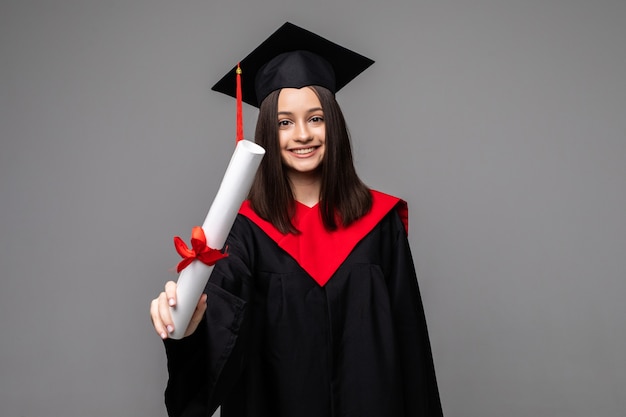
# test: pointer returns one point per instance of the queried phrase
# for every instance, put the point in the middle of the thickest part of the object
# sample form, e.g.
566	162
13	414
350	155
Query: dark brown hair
344	198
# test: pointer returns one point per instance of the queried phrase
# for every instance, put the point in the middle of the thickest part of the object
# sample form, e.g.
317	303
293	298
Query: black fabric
275	343
294	70
295	73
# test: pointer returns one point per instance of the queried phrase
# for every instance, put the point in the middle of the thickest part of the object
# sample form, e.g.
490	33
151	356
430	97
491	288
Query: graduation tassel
239	106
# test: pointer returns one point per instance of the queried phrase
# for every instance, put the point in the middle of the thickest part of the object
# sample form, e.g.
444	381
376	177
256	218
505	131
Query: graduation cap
292	57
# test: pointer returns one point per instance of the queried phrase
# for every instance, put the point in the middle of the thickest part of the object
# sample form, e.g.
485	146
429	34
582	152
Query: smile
304	151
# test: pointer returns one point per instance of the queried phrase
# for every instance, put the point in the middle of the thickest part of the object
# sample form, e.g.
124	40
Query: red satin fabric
321	252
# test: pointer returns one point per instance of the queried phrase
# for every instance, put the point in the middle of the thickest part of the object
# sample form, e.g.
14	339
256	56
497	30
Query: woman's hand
160	312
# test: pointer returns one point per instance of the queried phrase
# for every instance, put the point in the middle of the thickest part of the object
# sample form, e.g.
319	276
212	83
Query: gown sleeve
420	384
204	366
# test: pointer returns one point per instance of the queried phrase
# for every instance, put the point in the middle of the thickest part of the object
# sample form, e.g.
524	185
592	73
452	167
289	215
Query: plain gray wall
502	123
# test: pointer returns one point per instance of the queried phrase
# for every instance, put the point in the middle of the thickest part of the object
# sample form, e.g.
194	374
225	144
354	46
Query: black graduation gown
274	342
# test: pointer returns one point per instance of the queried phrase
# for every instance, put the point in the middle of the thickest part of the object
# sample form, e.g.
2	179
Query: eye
283	123
317	119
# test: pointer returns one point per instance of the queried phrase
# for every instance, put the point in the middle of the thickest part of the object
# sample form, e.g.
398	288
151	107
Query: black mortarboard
293	57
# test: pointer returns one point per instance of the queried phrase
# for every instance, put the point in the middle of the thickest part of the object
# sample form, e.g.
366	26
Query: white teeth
303	151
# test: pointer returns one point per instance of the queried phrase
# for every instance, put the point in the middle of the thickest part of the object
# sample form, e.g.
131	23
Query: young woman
316	311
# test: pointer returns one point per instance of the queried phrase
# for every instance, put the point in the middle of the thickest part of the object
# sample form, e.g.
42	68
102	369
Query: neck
306	188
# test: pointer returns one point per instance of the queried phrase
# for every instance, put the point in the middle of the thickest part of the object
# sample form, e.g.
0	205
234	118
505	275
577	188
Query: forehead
297	98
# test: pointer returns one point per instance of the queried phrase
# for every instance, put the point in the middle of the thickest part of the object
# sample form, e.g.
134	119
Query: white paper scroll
231	194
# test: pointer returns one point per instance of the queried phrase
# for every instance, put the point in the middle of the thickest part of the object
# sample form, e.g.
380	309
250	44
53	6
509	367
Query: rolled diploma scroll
231	194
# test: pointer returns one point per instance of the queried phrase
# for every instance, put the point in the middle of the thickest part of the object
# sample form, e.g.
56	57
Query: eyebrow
314	109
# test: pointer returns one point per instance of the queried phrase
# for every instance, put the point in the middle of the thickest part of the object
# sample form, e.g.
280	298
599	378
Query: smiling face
301	131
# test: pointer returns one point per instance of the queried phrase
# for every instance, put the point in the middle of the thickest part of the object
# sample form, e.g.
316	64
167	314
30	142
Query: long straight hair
344	198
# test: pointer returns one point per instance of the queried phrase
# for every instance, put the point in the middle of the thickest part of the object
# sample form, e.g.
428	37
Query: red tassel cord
239	106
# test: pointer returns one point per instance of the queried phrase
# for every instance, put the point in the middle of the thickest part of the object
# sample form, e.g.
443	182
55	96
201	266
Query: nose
303	134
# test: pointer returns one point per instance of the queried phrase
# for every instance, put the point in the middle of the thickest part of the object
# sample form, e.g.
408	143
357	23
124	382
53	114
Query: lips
304	151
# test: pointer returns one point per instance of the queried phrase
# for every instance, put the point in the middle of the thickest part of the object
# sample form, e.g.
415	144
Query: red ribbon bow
199	250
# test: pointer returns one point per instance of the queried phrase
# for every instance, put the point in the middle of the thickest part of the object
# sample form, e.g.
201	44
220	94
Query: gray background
502	123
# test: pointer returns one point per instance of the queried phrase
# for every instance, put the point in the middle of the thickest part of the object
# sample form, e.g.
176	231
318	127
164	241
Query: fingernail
163	335
170	328
171	301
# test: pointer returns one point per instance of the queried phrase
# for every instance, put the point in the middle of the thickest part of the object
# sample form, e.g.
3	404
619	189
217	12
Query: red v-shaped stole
321	252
